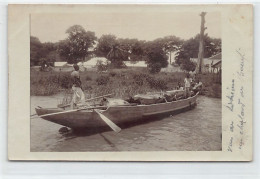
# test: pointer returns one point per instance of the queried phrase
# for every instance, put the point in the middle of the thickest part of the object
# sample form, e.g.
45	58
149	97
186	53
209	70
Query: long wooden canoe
118	114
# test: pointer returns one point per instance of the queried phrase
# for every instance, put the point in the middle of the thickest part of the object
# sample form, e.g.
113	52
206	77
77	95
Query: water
195	130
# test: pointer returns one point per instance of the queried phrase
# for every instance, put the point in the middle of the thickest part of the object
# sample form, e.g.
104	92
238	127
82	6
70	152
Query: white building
92	63
209	62
63	66
135	64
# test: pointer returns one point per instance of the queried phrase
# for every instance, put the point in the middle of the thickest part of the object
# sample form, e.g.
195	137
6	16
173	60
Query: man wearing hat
78	94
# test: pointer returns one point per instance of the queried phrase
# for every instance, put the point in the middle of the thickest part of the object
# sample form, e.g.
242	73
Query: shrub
65	81
140	78
160	84
88	78
123	82
112	73
102	80
154	68
101	66
87	87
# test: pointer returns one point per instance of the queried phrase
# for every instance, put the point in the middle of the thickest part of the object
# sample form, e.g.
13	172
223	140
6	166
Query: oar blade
109	122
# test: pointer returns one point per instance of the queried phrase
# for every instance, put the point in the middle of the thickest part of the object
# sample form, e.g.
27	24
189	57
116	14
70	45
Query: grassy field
121	82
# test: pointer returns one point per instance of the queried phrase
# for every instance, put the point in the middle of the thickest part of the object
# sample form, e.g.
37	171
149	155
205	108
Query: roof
135	63
59	64
206	61
216	57
94	61
217	64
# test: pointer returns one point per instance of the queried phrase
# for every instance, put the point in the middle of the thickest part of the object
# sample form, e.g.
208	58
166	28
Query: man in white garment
78	95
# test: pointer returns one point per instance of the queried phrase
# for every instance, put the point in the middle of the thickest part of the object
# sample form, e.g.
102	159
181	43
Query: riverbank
121	82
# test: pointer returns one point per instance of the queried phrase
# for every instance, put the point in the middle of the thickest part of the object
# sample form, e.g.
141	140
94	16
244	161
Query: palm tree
116	55
169	48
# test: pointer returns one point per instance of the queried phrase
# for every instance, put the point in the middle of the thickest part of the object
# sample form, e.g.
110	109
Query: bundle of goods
174	95
197	87
113	102
149	98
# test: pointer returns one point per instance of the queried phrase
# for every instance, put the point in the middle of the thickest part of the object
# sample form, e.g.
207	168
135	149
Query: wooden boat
119	115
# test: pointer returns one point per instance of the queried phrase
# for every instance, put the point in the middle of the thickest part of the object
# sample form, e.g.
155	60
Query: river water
195	130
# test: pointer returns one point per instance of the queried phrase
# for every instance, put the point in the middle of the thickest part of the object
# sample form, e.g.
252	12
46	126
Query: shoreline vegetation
123	83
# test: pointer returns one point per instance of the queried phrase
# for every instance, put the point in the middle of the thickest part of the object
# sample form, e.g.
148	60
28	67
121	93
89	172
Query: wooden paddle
108	122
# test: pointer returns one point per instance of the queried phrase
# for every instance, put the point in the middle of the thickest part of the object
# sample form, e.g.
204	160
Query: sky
140	25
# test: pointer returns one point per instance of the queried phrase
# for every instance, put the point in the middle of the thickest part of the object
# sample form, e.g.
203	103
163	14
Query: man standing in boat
187	85
78	94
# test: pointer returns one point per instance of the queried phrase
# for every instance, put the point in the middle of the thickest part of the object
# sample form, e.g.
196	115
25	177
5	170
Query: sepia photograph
126	81
132	82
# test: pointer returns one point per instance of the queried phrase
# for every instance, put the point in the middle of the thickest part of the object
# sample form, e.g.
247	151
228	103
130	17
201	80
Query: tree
157	51
200	63
76	46
117	55
134	47
156	55
105	44
35	47
172	44
154	67
190	48
38	51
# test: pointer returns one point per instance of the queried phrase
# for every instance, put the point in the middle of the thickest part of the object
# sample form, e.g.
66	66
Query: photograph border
17	39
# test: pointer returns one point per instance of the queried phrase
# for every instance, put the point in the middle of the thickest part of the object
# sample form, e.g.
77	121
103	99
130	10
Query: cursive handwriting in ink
242	91
231	127
241	116
230	144
242	63
230	97
241	143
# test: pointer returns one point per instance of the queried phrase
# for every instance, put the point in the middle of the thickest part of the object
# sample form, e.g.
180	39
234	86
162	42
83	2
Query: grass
121	82
210	87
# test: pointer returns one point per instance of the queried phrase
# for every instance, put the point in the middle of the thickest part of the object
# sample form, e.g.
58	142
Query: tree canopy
76	46
80	44
105	44
190	48
41	51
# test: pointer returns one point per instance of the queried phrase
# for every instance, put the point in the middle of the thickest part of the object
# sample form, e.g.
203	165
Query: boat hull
120	115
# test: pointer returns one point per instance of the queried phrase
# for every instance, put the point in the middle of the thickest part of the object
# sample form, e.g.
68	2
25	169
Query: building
209	63
81	66
35	68
135	64
63	66
93	62
216	63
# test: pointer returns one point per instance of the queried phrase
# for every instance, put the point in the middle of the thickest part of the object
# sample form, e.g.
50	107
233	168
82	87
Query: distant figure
178	86
187	85
78	94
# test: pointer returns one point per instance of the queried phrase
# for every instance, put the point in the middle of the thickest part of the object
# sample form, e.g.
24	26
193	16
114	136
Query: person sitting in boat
178	86
187	85
78	94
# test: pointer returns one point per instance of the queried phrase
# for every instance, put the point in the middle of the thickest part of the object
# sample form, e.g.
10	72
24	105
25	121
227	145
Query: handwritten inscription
231	126
230	145
242	63
230	96
242	91
241	143
236	104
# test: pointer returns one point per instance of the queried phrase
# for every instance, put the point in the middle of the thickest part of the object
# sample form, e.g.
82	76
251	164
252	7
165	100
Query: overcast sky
143	26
